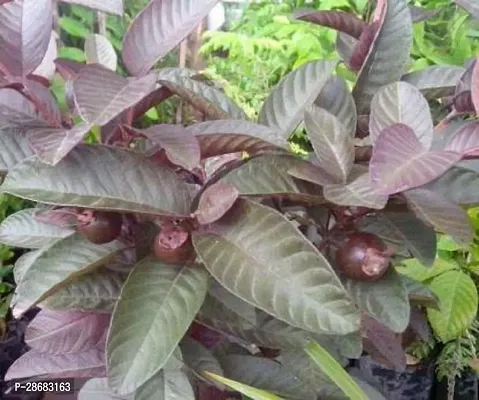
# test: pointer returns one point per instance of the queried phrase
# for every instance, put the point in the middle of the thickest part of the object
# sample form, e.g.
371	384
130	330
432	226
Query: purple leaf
465	80
101	95
436	81
345	45
84	364
418	323
389	53
331	141
442	214
24	34
207	99
338	100
419	14
68	68
52	144
44	101
401	102
470	6
214	202
16	110
284	108
158	29
311	172
363	46
2	2
181	147
64	217
232	128
475	85
358	193
47	67
466	140
338	20
56	332
463	102
109	6
399	162
214	165
99	50
14	147
383	343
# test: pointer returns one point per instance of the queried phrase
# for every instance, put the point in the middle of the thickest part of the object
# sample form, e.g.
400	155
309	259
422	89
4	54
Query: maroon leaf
2	2
358	193
16	110
56	332
47	67
465	80
382	344
68	68
331	141
159	28
336	98
215	165
25	32
52	144
64	216
418	323
361	50
311	172
101	94
463	102
475	85
240	128
338	20
44	100
345	46
435	210
214	202
389	53
156	97
399	162
466	140
85	364
181	147
215	145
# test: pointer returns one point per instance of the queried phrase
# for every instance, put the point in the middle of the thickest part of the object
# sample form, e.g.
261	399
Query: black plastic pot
416	383
466	388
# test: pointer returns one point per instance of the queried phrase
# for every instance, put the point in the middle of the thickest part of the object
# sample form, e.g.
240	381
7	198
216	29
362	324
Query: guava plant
173	260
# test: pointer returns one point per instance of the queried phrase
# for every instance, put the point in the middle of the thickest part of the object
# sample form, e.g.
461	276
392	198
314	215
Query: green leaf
55	266
97	291
157	305
73	27
386	300
458	295
417	271
389	53
335	371
253	393
124	180
261	257
21	229
72	53
285	106
446	243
